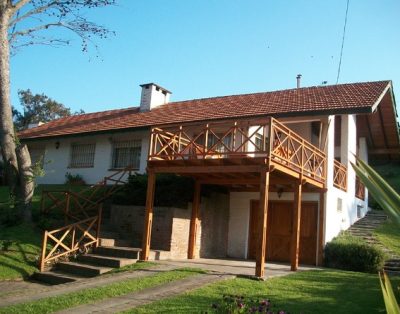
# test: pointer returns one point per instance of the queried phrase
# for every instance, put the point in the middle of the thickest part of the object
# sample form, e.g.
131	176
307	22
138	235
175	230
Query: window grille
213	140
126	153
82	155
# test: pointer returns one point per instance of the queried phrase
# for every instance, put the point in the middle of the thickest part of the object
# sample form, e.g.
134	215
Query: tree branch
32	12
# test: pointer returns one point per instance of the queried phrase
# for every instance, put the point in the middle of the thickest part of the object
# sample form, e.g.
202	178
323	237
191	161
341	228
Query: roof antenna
298	77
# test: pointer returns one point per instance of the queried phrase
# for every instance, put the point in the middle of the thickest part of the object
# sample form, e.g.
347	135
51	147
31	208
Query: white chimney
35	124
153	96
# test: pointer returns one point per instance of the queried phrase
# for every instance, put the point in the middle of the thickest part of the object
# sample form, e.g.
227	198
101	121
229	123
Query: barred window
126	153
82	155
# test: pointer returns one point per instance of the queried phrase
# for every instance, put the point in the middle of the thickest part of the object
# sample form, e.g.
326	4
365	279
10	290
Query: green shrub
352	253
74	179
171	190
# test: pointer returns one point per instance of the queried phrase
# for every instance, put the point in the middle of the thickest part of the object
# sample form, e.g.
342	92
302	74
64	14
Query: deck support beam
262	224
321	229
151	182
194	221
295	250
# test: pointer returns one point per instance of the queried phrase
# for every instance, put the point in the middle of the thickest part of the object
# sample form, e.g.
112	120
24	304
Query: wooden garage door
279	231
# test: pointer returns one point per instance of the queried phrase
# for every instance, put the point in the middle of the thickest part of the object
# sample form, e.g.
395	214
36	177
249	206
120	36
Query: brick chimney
153	96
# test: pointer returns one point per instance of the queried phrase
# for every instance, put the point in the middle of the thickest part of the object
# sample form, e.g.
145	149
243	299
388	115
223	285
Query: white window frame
126	153
82	155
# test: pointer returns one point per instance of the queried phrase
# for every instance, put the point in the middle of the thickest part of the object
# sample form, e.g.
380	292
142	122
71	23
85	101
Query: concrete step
115	251
115	242
81	269
55	277
392	268
108	261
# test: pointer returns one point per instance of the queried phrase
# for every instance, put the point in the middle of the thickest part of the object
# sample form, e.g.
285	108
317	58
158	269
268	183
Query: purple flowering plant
236	304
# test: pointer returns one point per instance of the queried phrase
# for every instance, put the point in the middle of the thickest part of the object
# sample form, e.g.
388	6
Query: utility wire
344	35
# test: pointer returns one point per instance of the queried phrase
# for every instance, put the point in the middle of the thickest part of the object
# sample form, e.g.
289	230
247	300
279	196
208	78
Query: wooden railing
340	176
71	239
239	139
68	201
360	189
292	151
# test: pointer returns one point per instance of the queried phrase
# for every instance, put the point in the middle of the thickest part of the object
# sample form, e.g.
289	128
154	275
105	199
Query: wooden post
262	224
194	221
294	260
44	248
321	229
66	209
151	180
100	211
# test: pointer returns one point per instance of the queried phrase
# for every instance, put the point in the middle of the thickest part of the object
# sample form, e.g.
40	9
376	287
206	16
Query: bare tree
29	22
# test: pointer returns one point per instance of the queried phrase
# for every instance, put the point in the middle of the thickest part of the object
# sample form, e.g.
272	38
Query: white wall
341	219
239	218
56	161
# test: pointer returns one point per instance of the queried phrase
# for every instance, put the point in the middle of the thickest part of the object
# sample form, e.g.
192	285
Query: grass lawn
325	291
53	304
389	235
20	259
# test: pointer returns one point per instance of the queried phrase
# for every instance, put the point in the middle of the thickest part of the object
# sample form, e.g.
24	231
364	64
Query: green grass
69	300
325	291
389	235
20	259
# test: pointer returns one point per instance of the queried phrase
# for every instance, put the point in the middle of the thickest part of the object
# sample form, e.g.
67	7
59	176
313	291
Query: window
339	205
126	153
218	145
37	155
82	155
259	143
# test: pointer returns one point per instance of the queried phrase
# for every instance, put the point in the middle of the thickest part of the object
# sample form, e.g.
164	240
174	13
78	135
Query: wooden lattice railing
292	151
340	176
239	139
71	239
360	189
71	203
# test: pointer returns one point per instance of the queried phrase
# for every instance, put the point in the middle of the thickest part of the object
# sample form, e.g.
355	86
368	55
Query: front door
279	231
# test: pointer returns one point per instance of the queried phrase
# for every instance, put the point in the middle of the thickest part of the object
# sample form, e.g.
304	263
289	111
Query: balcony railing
239	139
360	189
340	176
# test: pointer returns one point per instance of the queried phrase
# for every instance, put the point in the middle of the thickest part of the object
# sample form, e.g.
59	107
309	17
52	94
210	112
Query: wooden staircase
64	257
364	228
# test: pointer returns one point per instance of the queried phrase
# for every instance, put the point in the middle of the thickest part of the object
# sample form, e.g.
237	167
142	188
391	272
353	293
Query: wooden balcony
360	189
238	146
340	176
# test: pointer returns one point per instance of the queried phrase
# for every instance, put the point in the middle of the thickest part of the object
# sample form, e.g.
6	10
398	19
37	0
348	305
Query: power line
344	35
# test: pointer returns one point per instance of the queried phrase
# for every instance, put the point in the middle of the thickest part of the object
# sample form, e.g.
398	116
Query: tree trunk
7	137
26	180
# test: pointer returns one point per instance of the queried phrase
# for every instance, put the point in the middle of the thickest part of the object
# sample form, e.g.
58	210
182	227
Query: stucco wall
56	161
338	219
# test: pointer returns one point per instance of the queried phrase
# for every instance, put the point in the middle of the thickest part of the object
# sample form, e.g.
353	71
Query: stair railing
94	194
72	239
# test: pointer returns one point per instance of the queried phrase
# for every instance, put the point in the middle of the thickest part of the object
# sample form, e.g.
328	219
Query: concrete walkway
218	269
34	291
235	267
146	296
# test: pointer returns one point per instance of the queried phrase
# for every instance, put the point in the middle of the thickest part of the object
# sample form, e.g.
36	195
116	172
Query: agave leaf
391	304
372	174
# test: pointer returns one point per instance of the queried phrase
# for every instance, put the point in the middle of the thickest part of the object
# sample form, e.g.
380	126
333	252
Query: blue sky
211	48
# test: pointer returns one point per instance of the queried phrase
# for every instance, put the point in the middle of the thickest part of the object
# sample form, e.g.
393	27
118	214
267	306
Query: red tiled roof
344	98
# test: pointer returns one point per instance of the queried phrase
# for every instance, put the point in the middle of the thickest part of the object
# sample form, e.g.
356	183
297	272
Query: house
284	155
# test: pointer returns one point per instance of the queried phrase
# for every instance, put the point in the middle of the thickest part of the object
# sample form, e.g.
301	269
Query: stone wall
170	229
